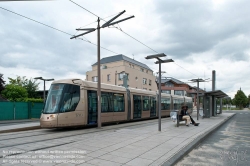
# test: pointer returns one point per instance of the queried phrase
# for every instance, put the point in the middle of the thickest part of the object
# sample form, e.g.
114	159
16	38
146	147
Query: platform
133	144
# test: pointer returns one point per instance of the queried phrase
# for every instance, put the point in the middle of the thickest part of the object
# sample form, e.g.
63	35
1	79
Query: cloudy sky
199	35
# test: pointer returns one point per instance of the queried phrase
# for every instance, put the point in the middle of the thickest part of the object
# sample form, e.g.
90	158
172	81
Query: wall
133	70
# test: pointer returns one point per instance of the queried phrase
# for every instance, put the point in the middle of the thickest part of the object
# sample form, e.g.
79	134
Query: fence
20	110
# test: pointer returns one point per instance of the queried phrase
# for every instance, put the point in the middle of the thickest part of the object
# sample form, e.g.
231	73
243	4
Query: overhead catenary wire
86	40
129	35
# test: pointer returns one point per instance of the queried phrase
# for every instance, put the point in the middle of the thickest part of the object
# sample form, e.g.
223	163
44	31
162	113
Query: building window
149	82
144	81
142	70
166	91
94	79
179	92
149	89
108	77
169	84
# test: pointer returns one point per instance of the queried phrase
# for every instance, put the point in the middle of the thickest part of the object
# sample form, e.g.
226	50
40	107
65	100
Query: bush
33	100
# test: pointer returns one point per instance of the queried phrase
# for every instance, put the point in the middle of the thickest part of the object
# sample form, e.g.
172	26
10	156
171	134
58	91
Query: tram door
137	106
92	107
152	107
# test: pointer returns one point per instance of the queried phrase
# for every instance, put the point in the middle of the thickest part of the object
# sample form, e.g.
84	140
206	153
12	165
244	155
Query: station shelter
212	103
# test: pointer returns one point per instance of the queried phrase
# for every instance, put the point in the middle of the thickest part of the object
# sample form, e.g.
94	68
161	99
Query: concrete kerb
185	150
18	121
20	129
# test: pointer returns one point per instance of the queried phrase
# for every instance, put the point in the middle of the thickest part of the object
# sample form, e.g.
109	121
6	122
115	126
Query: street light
157	56
41	78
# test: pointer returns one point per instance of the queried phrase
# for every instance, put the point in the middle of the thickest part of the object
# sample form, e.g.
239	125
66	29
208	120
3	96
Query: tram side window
176	104
145	103
71	97
106	99
165	104
118	102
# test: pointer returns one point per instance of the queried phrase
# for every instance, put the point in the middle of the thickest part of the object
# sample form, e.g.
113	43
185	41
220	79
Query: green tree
29	84
240	99
15	92
2	82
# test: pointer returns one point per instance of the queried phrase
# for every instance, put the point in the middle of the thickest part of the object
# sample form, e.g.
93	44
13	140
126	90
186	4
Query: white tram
73	102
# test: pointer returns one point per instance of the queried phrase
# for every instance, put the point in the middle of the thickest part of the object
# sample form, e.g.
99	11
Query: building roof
166	79
120	57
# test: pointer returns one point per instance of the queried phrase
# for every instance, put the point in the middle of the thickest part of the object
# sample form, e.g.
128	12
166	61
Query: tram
73	102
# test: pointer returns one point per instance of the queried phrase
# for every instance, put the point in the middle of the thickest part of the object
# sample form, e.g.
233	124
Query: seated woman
193	122
184	115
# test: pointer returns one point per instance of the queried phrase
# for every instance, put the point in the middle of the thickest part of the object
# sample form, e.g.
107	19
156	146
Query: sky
200	36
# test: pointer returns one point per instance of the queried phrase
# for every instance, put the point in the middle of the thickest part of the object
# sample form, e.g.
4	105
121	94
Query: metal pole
198	104
43	91
159	111
99	75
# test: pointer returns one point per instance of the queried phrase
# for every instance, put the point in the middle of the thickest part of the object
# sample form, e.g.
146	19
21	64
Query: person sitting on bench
184	115
193	122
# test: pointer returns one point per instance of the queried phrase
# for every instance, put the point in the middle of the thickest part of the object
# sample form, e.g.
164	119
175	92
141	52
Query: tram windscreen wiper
71	96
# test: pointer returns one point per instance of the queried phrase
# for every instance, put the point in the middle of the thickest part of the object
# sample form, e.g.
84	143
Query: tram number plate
79	115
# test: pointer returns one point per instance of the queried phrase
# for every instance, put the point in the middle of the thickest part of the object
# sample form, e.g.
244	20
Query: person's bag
173	117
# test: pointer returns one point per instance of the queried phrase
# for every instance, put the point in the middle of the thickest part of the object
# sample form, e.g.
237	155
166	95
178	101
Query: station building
114	68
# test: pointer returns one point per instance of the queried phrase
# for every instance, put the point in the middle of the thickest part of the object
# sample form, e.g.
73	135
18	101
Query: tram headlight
52	116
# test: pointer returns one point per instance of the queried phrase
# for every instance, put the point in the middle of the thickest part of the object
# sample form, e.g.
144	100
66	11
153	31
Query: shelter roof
216	93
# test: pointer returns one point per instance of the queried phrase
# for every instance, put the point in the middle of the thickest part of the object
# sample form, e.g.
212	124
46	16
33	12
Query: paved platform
134	144
18	125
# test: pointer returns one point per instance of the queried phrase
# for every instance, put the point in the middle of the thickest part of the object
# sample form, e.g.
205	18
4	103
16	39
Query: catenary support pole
159	103
44	91
99	75
198	102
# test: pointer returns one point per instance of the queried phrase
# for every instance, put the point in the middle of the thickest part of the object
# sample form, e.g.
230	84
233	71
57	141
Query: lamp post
160	61
89	30
41	78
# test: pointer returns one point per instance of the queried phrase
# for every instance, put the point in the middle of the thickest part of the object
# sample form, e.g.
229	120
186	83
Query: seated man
184	115
193	122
